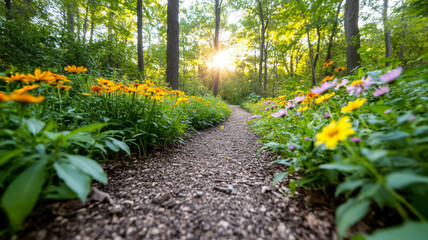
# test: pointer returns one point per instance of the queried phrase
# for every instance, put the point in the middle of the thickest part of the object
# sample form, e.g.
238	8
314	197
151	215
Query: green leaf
344	167
374	155
60	192
88	166
34	126
89	128
121	145
349	186
395	135
112	146
76	180
6	155
409	230
350	213
21	195
293	187
399	180
279	177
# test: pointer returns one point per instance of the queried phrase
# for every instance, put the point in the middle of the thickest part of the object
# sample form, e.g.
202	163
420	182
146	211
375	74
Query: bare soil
214	187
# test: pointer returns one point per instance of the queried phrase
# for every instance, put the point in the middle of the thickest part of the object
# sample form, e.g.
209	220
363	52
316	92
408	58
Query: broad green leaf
374	155
112	146
344	167
121	145
6	155
22	194
395	135
76	180
88	166
89	128
350	213
60	192
34	126
349	186
279	177
399	180
409	231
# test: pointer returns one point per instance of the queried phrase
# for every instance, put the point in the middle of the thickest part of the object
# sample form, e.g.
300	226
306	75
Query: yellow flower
328	63
327	78
335	132
222	127
353	105
26	98
74	69
16	77
303	108
324	97
40	76
157	98
26	89
4	97
86	94
340	69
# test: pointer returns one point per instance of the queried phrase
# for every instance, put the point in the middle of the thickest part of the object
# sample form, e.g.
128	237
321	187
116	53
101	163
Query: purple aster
268	102
355	139
387	111
297	114
273	106
194	111
391	76
291	147
267	108
411	118
299	99
357	89
381	91
182	121
255	116
307	138
290	104
280	113
326	115
342	84
324	87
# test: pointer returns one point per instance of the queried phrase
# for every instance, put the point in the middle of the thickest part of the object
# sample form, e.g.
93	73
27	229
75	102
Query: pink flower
391	76
411	118
267	108
299	99
291	147
387	111
297	114
326	115
342	84
357	87
290	105
280	113
381	91
273	106
324	87
307	138
255	116
355	139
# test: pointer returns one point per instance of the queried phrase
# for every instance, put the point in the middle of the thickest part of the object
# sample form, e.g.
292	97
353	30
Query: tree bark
387	31
352	34
265	60
85	23
216	70
70	17
172	49
333	33
262	41
140	37
318	47
8	6
311	55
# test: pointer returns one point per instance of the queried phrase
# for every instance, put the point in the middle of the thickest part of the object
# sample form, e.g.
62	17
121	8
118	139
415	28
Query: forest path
184	193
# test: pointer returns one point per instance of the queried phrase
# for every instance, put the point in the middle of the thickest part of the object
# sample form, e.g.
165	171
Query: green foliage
385	161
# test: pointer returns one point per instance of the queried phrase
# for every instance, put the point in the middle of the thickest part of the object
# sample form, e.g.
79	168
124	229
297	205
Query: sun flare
222	59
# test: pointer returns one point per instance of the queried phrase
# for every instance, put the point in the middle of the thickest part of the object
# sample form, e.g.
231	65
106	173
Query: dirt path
184	193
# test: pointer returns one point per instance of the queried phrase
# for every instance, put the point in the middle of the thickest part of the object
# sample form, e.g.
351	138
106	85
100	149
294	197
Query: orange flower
26	89
340	69
60	77
64	87
327	78
74	69
40	76
96	89
16	77
4	97
328	63
26	98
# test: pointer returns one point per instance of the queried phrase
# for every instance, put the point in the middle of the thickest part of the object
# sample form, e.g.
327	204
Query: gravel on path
215	187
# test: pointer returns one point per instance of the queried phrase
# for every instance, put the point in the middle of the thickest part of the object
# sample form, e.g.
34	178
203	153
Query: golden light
222	59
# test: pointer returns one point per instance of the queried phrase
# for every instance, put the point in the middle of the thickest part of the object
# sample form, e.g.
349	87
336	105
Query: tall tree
140	37
8	5
216	73
333	33
386	31
172	49
352	34
262	40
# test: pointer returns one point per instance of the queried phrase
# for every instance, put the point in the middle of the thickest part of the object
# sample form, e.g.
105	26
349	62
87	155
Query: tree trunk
311	54
216	73
262	41
70	17
265	60
92	28
352	34
85	23
403	36
8	6
140	37
387	32
172	49
333	33
291	64
318	47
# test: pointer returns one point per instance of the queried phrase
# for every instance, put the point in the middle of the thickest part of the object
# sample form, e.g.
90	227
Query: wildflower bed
52	126
367	135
